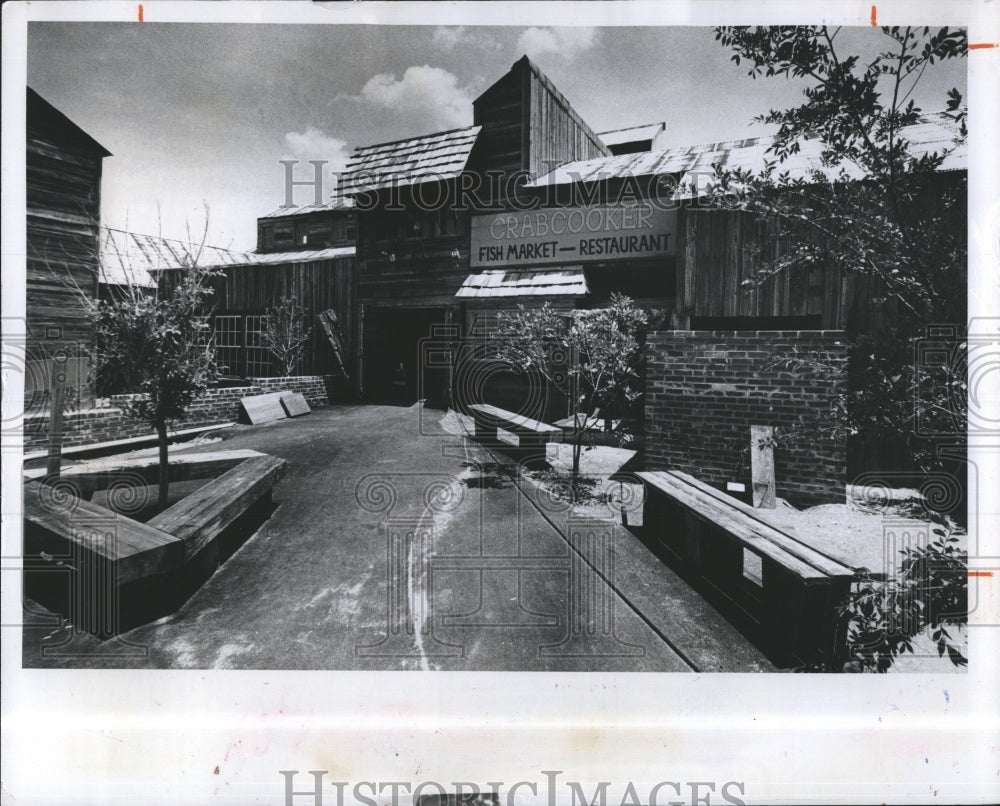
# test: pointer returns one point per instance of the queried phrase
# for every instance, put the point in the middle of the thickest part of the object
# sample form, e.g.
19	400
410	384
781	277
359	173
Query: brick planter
215	407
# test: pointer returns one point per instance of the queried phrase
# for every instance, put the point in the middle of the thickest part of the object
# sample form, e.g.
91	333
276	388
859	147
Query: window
387	226
258	357
267	236
319	233
228	333
418	225
450	223
284	234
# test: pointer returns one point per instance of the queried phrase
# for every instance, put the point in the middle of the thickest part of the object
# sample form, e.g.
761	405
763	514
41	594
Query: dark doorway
396	366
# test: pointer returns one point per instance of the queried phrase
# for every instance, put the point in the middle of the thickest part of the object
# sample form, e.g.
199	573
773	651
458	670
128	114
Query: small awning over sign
562	282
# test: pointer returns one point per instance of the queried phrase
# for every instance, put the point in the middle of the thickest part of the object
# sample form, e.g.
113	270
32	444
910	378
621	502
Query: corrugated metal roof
565	281
333	203
442	155
632	134
934	132
128	257
274	258
298	256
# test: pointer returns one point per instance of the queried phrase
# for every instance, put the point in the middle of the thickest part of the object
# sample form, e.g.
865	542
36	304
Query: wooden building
418	199
63	182
306	253
712	245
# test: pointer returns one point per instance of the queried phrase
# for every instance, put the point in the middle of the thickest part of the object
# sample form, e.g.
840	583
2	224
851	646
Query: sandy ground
855	534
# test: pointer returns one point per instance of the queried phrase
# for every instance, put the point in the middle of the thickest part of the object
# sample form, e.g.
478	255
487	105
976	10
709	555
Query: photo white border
151	737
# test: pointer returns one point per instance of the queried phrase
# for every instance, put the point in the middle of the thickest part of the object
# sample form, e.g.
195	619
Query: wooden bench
785	594
532	435
88	477
79	557
198	518
119	567
77	532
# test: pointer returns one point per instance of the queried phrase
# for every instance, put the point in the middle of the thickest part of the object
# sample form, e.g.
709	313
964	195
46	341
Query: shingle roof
934	132
564	281
442	155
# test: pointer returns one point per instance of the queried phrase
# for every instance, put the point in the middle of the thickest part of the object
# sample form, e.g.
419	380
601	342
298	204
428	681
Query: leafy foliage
591	356
931	590
873	210
286	333
158	347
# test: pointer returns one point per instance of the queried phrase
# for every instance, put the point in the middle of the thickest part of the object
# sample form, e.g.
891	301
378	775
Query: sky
200	114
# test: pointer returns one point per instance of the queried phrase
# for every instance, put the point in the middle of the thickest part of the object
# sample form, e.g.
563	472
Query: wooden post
57	385
762	465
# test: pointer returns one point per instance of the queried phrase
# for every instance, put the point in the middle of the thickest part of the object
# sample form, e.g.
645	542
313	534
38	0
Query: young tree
591	356
873	209
286	333
159	347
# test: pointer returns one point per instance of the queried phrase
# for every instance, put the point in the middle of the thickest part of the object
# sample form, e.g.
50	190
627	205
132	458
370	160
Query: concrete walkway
400	545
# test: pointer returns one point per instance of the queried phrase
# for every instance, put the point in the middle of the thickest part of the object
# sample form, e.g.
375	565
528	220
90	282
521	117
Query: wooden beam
99	474
64	528
785	537
762	466
199	517
263	408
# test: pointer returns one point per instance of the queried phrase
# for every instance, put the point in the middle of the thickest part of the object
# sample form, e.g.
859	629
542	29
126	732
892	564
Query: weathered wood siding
556	133
63	184
317	285
529	126
715	258
413	256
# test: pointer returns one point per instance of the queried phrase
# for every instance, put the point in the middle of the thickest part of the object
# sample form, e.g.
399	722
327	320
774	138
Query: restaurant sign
573	234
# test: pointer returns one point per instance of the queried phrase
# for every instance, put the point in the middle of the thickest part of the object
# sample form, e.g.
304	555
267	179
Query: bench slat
784	539
99	474
509	419
732	521
203	514
798	558
137	550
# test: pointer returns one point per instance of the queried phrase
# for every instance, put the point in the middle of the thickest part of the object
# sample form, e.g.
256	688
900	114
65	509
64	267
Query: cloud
424	95
448	38
315	144
566	42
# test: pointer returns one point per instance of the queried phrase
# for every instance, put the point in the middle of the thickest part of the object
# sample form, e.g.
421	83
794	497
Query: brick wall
215	407
704	389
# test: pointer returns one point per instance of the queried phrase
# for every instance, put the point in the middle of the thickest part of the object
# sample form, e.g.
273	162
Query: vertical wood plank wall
317	285
715	258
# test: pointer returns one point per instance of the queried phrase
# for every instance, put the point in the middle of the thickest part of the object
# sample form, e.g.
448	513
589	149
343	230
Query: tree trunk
578	434
161	433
